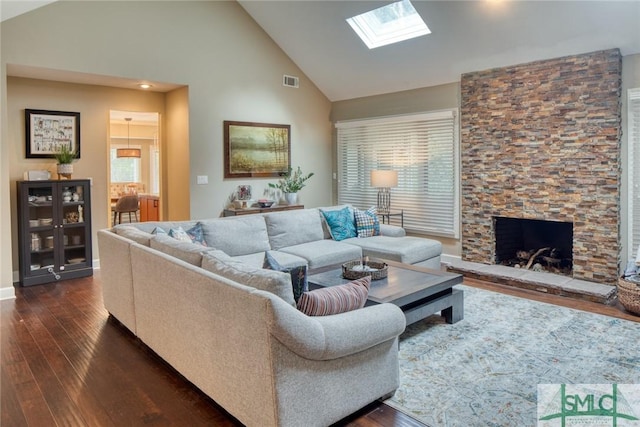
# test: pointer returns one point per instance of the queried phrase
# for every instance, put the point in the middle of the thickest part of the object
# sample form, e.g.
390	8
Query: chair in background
125	204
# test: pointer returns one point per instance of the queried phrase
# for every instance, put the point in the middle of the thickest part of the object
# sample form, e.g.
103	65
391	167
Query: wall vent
290	81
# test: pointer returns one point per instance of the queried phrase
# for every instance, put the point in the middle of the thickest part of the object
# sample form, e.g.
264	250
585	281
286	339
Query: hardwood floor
65	362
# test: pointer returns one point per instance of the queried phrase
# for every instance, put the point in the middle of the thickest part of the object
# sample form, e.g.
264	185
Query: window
423	149
633	106
389	24
124	169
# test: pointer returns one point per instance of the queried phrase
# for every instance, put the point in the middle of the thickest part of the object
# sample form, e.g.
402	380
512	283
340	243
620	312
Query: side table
389	214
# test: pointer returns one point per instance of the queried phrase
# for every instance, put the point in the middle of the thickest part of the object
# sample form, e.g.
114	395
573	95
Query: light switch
203	179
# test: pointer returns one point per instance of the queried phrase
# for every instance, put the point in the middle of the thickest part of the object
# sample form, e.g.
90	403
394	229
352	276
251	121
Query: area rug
485	369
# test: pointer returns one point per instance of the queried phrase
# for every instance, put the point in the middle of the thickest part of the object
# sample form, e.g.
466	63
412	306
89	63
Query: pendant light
128	152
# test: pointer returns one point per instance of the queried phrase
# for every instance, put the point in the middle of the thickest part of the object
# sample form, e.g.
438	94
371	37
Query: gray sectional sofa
234	331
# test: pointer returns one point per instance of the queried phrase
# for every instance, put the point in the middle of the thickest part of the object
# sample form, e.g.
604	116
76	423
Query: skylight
389	24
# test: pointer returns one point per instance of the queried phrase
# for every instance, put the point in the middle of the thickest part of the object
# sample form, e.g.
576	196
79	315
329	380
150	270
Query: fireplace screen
534	244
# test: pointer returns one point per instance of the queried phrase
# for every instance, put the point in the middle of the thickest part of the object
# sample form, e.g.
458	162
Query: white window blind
633	115
423	149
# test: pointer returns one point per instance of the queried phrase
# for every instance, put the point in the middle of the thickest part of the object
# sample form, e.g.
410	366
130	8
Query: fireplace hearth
535	245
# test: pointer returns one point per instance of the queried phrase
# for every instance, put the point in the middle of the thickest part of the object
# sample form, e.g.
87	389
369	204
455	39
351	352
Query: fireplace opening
534	244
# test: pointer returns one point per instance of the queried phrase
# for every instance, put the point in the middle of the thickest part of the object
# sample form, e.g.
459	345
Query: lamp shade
128	152
384	178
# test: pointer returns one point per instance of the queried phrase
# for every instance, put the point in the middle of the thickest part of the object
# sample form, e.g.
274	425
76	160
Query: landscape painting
256	149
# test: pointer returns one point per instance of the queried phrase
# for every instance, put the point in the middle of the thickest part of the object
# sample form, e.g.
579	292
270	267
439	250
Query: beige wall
411	101
94	104
232	69
175	151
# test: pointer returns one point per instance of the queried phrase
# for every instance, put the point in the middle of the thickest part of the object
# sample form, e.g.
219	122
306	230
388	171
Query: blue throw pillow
340	223
298	274
196	234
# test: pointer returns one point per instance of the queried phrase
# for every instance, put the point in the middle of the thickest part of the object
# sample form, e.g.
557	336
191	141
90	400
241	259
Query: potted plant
291	183
65	157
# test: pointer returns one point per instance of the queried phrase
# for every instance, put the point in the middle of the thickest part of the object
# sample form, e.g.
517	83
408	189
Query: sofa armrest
392	230
332	337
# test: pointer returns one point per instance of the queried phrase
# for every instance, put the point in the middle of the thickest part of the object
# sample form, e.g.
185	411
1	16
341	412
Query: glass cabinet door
73	199
41	213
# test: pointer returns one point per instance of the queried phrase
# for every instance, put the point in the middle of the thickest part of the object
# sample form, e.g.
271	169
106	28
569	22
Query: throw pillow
340	223
335	299
298	275
158	230
196	234
179	234
367	222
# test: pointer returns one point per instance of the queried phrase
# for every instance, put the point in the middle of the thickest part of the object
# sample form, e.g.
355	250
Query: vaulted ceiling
466	36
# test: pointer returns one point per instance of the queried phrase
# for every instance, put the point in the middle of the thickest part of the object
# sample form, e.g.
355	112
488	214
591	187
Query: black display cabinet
54	230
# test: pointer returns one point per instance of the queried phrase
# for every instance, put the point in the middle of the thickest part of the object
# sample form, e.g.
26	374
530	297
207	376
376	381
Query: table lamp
384	180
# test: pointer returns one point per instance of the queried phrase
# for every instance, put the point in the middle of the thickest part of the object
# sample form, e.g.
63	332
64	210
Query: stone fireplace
541	141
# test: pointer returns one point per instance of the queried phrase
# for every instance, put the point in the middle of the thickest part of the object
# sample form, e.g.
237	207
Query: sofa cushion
324	252
341	223
408	249
186	251
276	282
335	299
299	283
367	222
236	236
134	234
293	227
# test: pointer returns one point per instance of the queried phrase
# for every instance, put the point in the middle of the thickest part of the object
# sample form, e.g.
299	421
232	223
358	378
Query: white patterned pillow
179	234
367	222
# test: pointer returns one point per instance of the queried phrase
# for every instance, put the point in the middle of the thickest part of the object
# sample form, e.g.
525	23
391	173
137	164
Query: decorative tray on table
361	268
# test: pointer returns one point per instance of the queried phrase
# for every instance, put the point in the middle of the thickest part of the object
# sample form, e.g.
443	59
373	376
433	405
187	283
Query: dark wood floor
65	363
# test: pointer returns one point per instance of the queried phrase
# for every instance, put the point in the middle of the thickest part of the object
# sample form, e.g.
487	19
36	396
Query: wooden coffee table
419	292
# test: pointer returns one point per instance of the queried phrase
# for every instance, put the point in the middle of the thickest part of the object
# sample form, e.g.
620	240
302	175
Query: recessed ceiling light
389	24
145	86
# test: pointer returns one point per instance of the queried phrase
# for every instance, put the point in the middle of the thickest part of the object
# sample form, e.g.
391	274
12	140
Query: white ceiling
466	36
11	8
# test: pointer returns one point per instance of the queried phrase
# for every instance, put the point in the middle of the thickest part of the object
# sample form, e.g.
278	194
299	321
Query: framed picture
46	131
256	149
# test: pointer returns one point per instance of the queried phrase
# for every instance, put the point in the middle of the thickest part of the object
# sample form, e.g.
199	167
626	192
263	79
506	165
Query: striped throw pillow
335	299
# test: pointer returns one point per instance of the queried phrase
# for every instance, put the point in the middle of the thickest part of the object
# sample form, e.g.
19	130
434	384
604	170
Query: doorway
134	165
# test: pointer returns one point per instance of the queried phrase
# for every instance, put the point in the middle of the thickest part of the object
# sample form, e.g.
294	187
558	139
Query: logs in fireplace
534	244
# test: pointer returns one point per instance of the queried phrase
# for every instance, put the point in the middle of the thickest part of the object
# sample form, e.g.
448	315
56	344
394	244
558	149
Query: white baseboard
7	293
